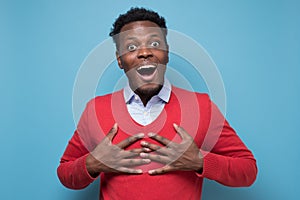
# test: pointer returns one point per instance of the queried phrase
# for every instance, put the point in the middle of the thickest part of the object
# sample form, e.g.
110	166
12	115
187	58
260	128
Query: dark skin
108	157
184	156
140	44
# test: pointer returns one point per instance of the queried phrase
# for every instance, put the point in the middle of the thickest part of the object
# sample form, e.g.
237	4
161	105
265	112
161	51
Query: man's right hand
107	157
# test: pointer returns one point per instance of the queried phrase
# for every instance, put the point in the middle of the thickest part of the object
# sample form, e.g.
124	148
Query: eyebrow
131	38
155	35
151	36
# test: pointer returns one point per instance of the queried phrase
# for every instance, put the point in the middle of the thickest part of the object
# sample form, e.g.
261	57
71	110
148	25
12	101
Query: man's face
143	54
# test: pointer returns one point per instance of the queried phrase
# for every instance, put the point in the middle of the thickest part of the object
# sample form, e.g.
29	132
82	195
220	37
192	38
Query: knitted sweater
226	159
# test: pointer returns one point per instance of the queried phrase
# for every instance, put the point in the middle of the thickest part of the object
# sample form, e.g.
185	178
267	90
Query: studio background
255	45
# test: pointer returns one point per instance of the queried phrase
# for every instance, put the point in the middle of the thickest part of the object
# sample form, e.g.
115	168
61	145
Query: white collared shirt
145	115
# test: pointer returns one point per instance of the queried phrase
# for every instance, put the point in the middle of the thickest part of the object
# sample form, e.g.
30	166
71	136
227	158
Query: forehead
140	29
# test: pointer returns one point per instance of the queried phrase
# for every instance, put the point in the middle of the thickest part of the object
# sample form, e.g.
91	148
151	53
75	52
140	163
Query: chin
149	89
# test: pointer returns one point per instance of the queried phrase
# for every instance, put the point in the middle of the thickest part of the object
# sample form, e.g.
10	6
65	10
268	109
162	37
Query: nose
144	52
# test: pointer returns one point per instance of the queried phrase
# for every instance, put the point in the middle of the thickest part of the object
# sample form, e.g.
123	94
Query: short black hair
137	14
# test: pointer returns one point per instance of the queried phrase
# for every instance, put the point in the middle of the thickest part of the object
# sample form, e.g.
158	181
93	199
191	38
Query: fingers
111	134
130	140
129	170
161	170
125	143
183	134
134	162
127	163
166	142
134	152
159	138
156	158
153	147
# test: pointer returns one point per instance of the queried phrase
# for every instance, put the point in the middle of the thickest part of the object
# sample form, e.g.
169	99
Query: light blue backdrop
255	44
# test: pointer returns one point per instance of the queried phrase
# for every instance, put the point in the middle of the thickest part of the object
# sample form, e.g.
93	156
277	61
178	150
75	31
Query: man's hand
107	157
184	156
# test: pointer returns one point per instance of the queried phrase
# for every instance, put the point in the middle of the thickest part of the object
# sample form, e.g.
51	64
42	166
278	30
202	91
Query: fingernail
146	149
144	155
115	126
175	125
146	160
151	171
144	143
151	134
139	171
140	135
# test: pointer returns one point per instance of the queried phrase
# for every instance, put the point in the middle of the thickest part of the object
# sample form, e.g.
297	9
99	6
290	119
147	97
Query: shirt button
136	97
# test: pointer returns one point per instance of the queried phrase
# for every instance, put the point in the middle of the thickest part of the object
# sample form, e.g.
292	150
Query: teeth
146	67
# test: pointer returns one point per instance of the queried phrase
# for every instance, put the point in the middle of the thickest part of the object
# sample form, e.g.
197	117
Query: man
152	140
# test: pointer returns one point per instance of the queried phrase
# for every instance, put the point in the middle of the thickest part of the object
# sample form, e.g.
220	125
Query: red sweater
226	159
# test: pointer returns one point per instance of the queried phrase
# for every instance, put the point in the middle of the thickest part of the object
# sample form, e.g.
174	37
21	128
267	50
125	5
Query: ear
119	60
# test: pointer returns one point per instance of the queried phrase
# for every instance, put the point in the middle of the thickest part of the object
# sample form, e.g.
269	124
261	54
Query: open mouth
147	73
146	70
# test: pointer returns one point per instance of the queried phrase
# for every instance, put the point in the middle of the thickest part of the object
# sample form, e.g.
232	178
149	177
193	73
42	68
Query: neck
145	96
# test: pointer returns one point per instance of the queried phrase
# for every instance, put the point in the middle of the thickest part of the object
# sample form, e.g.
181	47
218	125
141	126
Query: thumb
180	131
111	134
177	129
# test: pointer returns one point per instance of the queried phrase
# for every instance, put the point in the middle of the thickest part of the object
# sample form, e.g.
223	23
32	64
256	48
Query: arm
230	162
82	162
223	156
78	168
227	160
72	170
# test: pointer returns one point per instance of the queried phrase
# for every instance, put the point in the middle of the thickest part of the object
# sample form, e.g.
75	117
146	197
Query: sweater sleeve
72	170
227	160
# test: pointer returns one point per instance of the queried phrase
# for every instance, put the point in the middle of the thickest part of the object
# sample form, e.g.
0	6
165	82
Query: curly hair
137	14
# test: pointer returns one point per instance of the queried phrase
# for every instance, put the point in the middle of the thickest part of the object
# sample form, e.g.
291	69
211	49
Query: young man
152	140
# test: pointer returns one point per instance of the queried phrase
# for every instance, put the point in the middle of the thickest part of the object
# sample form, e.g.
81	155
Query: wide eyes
133	47
154	44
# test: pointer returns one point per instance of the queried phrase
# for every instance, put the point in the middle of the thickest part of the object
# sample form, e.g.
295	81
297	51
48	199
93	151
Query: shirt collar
164	94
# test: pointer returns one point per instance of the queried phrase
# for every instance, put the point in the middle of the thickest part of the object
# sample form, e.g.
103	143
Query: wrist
92	164
199	166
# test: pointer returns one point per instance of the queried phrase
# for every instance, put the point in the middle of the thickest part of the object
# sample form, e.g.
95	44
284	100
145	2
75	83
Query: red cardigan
226	159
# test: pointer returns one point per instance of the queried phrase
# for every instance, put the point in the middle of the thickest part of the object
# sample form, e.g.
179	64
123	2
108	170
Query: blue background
255	45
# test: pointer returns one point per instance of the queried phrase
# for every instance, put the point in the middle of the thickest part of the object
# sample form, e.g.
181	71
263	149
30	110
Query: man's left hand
184	156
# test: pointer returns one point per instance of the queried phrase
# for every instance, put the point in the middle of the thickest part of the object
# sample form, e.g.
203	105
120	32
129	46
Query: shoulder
106	97
104	100
203	97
